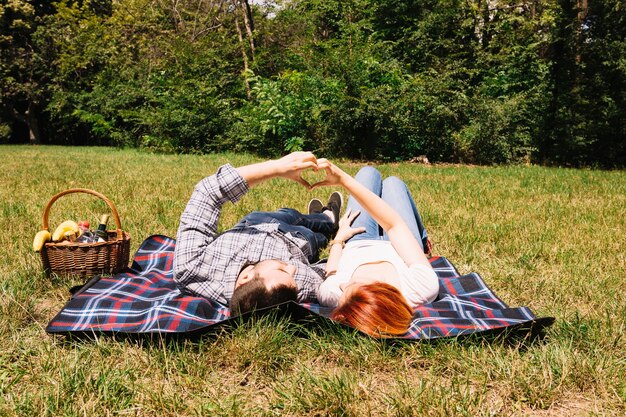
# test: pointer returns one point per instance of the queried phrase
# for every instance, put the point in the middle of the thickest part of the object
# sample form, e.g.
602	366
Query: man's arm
290	167
199	221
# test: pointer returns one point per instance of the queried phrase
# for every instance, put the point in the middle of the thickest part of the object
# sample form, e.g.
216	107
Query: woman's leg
397	195
370	178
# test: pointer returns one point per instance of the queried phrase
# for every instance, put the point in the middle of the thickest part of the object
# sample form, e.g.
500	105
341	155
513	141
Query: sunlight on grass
551	239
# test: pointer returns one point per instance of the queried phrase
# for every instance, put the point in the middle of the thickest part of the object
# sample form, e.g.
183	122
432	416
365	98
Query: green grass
552	239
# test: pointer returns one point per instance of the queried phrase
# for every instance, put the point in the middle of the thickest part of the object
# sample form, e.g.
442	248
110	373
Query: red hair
377	309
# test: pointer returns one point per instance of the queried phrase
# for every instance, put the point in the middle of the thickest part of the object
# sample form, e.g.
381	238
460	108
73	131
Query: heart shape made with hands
313	177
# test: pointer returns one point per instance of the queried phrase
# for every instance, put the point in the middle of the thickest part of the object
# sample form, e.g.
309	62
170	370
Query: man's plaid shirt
207	264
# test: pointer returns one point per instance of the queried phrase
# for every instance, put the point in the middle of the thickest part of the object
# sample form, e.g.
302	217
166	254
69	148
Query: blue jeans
393	191
316	229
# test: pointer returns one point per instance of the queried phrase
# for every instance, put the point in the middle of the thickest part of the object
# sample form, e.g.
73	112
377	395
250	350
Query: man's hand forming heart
293	165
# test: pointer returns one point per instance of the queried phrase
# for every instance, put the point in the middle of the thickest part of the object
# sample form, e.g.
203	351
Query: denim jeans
316	229
393	191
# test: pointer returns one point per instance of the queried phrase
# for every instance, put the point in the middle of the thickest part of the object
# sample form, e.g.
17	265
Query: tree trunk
34	136
244	56
485	13
29	118
583	10
249	23
481	23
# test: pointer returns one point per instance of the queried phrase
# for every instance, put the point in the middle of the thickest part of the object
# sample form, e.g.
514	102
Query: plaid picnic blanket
145	299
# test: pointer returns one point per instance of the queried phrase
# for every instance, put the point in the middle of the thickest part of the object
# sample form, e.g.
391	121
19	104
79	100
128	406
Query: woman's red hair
377	309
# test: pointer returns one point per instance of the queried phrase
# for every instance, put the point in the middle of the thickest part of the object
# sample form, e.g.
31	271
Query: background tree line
479	81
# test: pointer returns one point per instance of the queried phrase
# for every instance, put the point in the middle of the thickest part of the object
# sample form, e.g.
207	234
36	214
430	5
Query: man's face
273	273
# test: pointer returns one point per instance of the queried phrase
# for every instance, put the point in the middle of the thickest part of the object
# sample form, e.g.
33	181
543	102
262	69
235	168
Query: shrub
285	114
497	132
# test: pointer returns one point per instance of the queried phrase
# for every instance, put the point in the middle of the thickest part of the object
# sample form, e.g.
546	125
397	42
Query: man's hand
290	167
293	165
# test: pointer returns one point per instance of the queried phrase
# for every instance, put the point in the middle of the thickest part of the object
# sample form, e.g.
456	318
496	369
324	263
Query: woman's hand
334	175
346	231
293	165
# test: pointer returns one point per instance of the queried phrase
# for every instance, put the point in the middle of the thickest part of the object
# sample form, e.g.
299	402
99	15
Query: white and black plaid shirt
207	264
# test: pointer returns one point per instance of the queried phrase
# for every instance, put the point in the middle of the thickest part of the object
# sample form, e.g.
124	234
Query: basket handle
87	191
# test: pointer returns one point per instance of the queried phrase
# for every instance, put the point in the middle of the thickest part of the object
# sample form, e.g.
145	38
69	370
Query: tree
22	76
586	123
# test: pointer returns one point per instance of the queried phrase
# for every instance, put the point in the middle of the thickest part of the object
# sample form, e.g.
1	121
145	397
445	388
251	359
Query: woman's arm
345	232
399	233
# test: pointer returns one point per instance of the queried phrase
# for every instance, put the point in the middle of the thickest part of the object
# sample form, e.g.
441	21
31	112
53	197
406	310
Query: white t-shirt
417	283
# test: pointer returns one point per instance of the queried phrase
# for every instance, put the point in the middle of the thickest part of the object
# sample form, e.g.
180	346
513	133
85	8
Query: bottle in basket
86	236
101	232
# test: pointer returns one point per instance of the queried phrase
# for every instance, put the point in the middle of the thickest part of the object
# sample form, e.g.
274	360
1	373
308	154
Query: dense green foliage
481	81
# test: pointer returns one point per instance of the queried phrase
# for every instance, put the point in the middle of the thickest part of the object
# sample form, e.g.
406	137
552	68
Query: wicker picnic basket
86	259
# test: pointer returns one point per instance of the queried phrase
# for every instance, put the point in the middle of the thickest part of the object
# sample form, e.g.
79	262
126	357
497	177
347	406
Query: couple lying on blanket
377	271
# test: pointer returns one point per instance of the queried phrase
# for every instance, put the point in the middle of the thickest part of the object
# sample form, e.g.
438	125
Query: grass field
551	239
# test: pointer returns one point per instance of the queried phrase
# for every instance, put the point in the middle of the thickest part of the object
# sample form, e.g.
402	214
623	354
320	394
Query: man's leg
318	222
314	228
397	195
370	178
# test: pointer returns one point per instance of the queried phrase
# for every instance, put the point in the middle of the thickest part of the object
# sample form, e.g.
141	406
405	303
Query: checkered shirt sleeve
199	221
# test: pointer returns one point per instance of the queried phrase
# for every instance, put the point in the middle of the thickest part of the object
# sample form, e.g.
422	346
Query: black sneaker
315	206
335	201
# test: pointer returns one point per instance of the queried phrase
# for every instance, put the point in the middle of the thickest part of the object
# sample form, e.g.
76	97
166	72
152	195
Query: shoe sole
337	199
315	206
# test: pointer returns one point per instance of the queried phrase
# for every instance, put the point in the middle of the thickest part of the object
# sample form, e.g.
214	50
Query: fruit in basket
41	237
67	226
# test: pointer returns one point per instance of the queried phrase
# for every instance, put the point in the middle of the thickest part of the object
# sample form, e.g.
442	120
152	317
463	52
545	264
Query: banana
66	226
41	237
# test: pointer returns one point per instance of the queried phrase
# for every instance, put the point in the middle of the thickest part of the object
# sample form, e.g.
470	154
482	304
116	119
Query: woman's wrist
344	178
338	242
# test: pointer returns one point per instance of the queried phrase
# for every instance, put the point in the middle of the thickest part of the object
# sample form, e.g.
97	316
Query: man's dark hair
254	295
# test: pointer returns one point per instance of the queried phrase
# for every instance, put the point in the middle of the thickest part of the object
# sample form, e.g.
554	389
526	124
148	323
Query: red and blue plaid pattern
145	299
